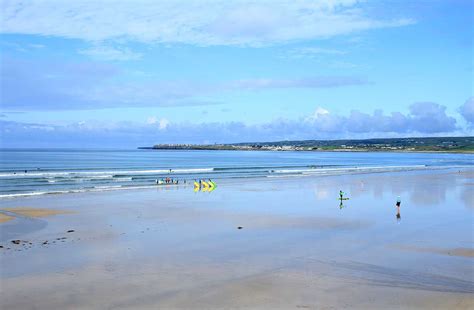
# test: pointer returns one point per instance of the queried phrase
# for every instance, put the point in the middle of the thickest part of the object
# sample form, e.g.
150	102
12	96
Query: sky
125	73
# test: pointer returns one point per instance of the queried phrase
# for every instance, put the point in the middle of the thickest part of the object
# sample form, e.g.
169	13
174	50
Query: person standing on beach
341	194
399	202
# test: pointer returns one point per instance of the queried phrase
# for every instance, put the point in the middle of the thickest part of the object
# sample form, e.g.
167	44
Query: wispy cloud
33	85
204	23
312	52
105	52
23	48
328	57
312	82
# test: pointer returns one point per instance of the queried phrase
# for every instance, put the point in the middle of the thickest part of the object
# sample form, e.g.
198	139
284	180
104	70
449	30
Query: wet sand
33	212
465	252
297	246
5	218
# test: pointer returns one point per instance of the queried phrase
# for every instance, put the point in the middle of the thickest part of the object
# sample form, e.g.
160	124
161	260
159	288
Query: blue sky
131	73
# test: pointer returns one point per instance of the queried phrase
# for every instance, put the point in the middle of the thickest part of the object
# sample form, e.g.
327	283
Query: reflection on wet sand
463	252
467	196
398	204
422	189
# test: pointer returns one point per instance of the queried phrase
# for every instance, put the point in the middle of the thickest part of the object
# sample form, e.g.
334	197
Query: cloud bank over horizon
320	125
467	111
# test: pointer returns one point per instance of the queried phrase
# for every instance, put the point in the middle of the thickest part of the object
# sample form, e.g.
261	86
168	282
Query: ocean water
26	172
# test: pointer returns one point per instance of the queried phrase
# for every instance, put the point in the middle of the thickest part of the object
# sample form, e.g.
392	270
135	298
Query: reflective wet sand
297	246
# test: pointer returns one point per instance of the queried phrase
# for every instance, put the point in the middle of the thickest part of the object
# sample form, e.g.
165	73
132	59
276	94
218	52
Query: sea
30	172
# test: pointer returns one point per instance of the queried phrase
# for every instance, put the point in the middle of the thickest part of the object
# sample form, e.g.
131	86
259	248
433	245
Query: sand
296	249
5	218
464	252
34	212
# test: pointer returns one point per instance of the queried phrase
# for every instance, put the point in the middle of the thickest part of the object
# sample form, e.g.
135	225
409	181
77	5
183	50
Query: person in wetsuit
399	202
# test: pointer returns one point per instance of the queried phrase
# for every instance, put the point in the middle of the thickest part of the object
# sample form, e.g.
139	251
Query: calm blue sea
25	172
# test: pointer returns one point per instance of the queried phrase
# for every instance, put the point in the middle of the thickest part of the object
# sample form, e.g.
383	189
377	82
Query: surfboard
342	198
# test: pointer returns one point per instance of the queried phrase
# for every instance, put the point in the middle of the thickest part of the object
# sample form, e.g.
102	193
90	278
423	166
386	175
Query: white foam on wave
102	174
348	169
75	191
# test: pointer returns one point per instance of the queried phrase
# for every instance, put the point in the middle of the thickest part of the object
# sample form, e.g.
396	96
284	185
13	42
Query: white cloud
320	112
163	123
211	22
467	110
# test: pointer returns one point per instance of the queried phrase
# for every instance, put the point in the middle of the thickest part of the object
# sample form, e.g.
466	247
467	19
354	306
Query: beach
260	243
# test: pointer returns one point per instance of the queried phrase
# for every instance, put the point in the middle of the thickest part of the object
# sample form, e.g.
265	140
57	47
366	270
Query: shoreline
321	151
452	145
354	171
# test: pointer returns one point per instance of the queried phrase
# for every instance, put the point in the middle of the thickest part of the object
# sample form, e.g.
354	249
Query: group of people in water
168	181
397	204
198	184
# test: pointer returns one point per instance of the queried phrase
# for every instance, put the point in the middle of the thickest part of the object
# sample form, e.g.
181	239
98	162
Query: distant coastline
431	144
